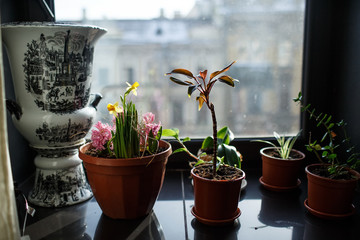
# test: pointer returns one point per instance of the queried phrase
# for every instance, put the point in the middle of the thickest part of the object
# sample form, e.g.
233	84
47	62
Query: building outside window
264	37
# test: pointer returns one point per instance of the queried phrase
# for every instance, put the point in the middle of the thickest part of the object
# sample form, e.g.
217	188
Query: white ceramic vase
51	66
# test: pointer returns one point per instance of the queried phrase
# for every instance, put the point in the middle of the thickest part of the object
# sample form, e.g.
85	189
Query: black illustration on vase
69	132
65	186
56	71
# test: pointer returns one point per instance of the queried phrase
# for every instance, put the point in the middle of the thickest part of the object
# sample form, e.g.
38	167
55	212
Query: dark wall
348	68
20	154
332	60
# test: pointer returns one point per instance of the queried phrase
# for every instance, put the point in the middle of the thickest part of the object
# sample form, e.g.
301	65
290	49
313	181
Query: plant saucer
216	222
278	188
329	216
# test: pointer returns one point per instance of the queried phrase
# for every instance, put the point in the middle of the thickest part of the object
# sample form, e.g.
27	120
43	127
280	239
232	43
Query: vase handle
14	108
96	100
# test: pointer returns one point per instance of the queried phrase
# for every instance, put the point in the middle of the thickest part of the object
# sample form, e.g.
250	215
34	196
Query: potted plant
226	152
216	185
332	182
281	164
125	163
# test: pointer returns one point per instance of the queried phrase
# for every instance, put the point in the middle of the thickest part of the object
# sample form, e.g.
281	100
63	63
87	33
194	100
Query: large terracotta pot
329	198
51	66
280	174
216	201
126	188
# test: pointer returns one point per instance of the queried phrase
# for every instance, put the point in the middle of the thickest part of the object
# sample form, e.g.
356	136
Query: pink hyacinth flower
100	135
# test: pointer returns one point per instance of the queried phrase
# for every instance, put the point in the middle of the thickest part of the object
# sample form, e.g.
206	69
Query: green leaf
303	109
208	143
180	82
181	71
179	150
324	137
186	139
159	134
225	135
309	148
328	120
299	98
231	156
227	80
153	144
173	132
264	141
199	162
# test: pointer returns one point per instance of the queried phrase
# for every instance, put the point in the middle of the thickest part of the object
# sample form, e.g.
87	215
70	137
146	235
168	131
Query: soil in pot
292	156
223	173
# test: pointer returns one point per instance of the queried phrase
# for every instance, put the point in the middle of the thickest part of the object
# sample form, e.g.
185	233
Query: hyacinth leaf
192	88
159	134
227	80
180	82
214	74
182	71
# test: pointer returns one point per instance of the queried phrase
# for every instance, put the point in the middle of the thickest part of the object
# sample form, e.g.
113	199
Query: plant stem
212	109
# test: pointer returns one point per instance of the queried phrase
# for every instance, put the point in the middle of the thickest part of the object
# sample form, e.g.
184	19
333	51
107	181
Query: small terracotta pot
329	198
280	174
216	201
126	188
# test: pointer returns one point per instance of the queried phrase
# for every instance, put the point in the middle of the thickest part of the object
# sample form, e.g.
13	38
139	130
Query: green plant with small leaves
284	146
227	154
334	147
204	87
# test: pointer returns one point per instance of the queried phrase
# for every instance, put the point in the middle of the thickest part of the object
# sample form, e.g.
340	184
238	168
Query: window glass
146	39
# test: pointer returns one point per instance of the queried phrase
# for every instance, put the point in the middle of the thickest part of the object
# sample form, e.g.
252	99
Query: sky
119	9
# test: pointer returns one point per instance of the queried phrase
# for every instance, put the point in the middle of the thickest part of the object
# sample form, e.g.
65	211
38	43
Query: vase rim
49	24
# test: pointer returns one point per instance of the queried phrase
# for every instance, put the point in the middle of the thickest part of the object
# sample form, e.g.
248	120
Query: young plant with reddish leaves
204	87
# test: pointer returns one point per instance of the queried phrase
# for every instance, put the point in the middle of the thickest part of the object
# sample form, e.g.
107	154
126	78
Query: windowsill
265	215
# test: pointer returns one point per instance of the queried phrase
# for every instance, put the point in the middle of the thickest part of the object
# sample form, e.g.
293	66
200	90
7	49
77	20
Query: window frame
320	25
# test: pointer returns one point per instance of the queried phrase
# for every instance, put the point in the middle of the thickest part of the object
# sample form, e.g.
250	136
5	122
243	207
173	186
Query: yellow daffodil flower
114	108
132	88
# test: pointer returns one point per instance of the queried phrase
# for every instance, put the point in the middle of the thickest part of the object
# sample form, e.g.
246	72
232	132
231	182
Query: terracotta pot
126	188
329	198
280	174
216	201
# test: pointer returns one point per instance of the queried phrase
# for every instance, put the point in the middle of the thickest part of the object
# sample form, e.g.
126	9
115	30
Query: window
265	37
